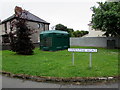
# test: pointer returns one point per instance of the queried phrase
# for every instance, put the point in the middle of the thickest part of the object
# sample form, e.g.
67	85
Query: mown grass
59	63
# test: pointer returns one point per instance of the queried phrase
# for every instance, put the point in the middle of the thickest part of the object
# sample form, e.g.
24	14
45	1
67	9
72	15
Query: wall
33	25
2	29
84	41
46	27
93	41
0	34
7	46
38	28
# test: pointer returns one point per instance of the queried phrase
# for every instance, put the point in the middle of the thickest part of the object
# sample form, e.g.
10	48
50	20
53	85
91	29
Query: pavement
8	82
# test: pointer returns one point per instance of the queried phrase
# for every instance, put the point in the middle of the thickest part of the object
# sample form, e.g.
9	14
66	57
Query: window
39	25
5	27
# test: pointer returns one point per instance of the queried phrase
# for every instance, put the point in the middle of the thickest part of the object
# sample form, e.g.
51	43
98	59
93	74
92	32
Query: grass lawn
59	63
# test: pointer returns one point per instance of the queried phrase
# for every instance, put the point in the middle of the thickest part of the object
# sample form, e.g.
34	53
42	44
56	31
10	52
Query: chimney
18	11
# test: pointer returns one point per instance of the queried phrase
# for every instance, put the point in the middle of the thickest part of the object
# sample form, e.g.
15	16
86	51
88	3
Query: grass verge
59	63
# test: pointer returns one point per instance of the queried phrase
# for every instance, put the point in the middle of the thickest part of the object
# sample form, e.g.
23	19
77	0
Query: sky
74	14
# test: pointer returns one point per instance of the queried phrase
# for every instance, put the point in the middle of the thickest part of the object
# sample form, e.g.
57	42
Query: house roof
30	17
90	24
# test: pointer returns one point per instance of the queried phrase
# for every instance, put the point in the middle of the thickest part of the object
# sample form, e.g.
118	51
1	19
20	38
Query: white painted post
73	58
90	65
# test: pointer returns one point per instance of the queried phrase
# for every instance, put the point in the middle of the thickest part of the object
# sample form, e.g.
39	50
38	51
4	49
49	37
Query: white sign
81	50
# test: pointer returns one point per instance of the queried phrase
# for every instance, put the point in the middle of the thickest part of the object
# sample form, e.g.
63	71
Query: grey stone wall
7	46
93	41
83	41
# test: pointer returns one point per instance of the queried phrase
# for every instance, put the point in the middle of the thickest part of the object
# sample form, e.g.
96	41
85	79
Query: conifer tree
22	43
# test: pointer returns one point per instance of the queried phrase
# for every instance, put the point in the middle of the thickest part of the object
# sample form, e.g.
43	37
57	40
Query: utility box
54	40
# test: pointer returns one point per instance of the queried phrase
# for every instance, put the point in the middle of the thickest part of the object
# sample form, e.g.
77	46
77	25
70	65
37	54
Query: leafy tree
84	32
61	27
106	17
70	31
80	33
77	33
64	28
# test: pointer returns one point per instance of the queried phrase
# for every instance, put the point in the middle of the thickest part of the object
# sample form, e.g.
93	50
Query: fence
93	41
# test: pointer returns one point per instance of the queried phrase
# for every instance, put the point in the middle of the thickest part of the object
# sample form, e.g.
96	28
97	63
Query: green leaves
71	32
61	27
106	17
80	33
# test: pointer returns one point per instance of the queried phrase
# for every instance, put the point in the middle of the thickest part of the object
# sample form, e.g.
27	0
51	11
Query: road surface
8	82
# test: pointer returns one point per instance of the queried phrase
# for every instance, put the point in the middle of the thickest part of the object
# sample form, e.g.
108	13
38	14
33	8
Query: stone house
35	23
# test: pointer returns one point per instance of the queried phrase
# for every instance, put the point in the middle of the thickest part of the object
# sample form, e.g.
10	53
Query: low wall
83	41
7	46
93	41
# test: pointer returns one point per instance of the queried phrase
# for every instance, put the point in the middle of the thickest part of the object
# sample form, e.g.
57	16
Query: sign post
82	50
73	58
90	65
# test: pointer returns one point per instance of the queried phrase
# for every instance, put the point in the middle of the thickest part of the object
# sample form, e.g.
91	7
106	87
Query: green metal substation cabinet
54	40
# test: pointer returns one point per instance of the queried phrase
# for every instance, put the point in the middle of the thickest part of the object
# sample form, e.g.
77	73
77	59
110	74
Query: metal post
90	65
73	58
